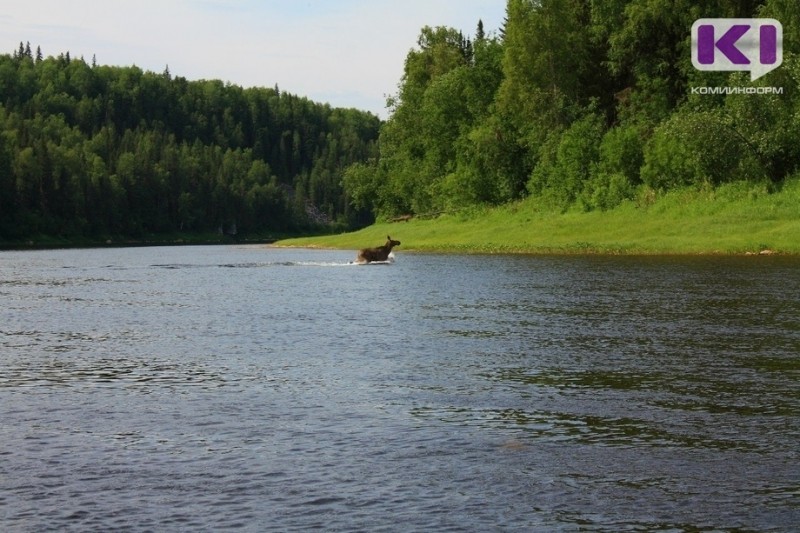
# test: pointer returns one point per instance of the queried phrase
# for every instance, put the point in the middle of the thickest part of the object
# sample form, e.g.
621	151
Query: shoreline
319	243
732	220
544	252
737	219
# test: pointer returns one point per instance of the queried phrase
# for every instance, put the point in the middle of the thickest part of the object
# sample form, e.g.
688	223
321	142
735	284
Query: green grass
736	218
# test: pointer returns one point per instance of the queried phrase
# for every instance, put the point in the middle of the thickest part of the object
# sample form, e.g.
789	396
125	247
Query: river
262	389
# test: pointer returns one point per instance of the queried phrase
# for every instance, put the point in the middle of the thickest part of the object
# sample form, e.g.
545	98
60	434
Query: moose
381	253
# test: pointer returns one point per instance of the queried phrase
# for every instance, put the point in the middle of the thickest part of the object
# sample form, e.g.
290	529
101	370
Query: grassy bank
736	218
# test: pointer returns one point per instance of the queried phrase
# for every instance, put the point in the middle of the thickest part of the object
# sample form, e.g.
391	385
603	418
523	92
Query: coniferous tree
97	150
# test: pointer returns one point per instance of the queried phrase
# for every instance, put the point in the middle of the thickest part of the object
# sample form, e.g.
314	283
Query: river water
254	388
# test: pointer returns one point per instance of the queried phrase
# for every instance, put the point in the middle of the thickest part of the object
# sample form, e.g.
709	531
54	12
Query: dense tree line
581	103
576	102
97	150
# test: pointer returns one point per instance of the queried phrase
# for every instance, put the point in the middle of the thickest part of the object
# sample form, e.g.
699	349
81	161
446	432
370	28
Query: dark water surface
208	388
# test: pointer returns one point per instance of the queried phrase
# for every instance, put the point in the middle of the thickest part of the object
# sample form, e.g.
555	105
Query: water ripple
215	388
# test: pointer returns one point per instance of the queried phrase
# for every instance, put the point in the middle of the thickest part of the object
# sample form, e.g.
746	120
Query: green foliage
621	152
572	103
696	148
96	150
788	12
578	103
606	191
649	51
769	122
547	65
614	178
428	149
567	160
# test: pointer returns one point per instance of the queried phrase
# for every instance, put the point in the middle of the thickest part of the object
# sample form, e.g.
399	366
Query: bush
566	160
617	173
697	147
770	121
621	152
606	191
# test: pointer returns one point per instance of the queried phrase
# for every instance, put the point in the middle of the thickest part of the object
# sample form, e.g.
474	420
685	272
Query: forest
580	104
97	151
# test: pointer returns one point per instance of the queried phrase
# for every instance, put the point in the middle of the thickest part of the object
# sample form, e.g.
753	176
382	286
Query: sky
348	53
